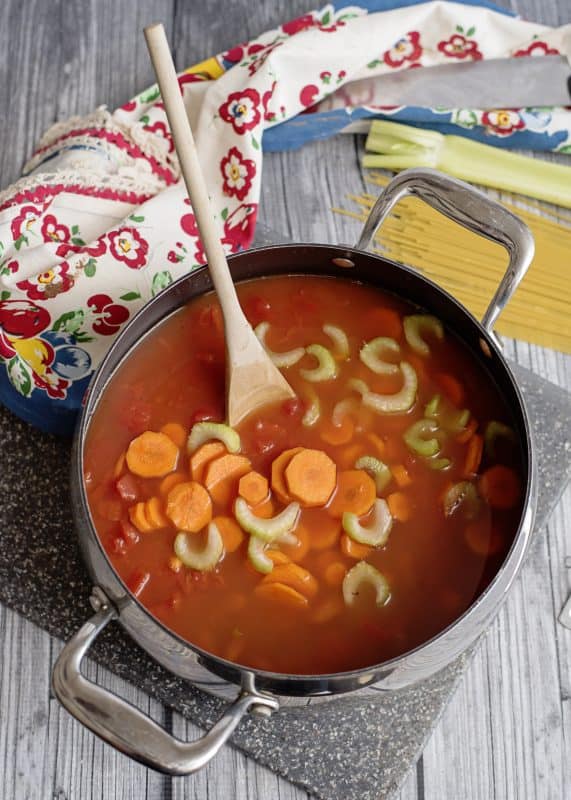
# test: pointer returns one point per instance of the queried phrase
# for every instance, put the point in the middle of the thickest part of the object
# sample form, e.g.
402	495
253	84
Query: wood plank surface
507	731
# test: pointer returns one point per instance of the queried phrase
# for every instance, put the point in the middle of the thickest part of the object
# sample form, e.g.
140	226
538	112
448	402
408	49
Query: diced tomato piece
137	581
267	437
211	317
118	545
128	487
292	406
129	533
206	414
257	310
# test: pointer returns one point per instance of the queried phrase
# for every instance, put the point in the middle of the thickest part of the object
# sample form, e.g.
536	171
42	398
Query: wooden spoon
252	380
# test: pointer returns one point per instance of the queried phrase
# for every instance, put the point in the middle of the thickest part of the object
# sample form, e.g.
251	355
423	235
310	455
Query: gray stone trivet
353	747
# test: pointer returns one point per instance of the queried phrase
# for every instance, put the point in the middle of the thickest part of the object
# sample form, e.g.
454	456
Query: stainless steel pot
128	729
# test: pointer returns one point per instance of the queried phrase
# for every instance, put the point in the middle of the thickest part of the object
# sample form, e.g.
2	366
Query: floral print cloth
100	222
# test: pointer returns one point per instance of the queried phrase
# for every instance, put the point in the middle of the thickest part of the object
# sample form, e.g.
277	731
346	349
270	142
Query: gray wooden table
507	731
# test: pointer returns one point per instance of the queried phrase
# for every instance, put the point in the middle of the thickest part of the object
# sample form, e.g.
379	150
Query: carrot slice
451	387
335	573
169	481
295	576
354	549
278	468
384	322
154	513
253	487
346	458
282	594
310	477
138	516
466	434
473	455
298	551
222	475
176	432
189	506
378	443
201	457
278	557
356	492
264	510
399	506
232	534
327	610
323	531
338	434
500	487
401	476
152	455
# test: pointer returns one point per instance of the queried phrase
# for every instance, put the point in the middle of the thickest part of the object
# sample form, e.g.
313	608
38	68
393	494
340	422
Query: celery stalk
402	146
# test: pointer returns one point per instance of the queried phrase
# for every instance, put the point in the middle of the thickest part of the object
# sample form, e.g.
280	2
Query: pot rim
524	528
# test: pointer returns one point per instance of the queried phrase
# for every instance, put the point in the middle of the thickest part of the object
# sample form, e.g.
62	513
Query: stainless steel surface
489	83
469	207
565	614
125	727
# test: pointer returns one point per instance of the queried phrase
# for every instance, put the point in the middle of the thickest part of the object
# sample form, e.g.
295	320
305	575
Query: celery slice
450	418
358	385
371	355
363	572
326	368
377	533
204	431
339	339
378	471
257	555
187	548
343	408
417	324
438	463
281	360
416	438
266	529
313	411
494	431
399	402
462	498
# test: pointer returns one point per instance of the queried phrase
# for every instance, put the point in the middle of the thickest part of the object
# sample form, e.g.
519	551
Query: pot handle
470	208
122	725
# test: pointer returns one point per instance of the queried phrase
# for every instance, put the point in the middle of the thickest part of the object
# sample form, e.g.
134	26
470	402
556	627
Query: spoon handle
165	72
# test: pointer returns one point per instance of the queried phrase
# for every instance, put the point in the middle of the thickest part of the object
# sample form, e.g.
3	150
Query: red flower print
406	49
537	48
308	95
259	61
189	77
299	24
237	173
459	46
239	226
20	319
188	224
127	245
235	54
50	283
52	384
130	106
161	130
22	224
502	121
98	248
109	316
269	116
241	110
54	231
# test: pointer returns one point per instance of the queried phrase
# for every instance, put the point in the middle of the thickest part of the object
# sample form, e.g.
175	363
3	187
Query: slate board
352	747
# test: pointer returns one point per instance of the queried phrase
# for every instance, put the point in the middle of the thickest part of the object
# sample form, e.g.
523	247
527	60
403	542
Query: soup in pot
330	532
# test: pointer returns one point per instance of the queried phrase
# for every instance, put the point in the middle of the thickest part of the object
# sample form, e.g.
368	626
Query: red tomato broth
434	576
